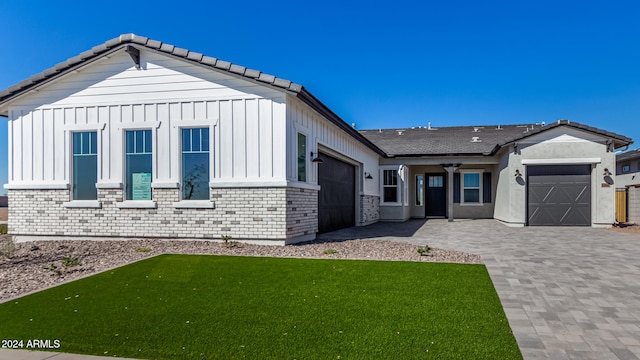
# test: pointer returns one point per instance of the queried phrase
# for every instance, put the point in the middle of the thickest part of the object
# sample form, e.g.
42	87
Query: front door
435	195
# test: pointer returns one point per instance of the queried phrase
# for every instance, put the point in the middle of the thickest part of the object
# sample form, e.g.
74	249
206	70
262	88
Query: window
138	164
419	190
85	165
626	168
195	164
390	186
302	157
436	181
471	188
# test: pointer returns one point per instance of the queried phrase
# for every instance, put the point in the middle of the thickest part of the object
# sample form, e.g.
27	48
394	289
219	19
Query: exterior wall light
368	176
316	160
518	173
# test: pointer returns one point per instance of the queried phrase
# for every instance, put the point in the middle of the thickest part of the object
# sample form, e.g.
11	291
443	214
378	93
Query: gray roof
121	41
387	142
629	155
467	140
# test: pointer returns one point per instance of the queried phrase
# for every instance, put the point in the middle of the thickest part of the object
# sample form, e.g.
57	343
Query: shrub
424	250
70	261
330	251
3	229
143	249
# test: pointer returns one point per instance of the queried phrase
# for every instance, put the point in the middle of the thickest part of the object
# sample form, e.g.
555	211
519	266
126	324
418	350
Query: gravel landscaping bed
37	265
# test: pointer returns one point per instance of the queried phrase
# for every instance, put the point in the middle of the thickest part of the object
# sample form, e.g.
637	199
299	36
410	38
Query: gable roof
629	155
459	140
122	41
387	142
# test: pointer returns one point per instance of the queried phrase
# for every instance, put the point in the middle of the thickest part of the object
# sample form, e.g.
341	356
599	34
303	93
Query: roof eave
306	97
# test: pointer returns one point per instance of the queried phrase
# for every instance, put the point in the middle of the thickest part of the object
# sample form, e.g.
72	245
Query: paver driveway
568	292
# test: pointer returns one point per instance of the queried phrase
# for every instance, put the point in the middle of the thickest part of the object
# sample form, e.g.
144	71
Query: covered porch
438	188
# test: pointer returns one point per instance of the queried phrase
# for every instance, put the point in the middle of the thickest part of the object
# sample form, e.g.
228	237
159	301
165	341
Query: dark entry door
559	195
435	195
336	200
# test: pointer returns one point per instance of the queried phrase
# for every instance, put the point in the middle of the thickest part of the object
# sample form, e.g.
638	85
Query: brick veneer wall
243	213
302	212
633	204
369	209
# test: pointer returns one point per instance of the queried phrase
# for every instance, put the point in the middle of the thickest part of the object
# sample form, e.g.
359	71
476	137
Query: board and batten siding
321	132
247	121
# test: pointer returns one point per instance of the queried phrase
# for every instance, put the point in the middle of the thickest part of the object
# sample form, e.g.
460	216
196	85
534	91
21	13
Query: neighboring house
4	201
138	138
628	168
628	180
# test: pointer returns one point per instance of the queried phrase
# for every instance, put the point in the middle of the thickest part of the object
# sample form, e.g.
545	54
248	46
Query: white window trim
194	125
306	155
405	184
194	204
382	186
97	128
154	166
80	204
137	204
418	191
480	172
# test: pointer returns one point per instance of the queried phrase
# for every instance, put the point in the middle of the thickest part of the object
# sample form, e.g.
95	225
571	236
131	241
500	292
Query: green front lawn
221	307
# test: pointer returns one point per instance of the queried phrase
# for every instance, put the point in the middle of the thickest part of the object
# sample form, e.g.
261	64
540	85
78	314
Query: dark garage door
336	200
559	195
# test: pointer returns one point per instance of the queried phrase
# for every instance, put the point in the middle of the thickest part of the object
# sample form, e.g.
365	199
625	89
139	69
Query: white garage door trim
576	161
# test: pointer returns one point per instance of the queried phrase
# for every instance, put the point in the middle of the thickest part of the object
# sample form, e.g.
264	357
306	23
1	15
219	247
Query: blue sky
377	64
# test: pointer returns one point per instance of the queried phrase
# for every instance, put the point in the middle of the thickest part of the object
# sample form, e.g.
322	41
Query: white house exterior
138	138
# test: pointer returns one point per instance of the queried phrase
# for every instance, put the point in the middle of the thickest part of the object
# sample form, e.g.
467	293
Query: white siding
247	120
320	131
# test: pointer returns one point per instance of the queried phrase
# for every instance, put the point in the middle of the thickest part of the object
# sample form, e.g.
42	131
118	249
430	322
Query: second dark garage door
336	200
559	195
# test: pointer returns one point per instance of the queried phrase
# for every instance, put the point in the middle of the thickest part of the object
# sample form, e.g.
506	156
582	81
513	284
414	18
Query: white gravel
30	268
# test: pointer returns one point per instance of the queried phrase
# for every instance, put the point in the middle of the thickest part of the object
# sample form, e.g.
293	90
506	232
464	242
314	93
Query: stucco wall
558	146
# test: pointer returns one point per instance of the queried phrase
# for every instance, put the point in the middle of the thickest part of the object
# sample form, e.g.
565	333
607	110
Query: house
139	138
628	182
628	168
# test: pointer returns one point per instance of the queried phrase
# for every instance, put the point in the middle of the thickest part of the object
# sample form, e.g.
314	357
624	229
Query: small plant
143	249
7	247
227	240
330	251
3	229
53	268
424	250
70	261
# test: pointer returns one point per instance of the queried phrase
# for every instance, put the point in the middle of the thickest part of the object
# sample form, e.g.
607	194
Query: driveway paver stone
568	292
